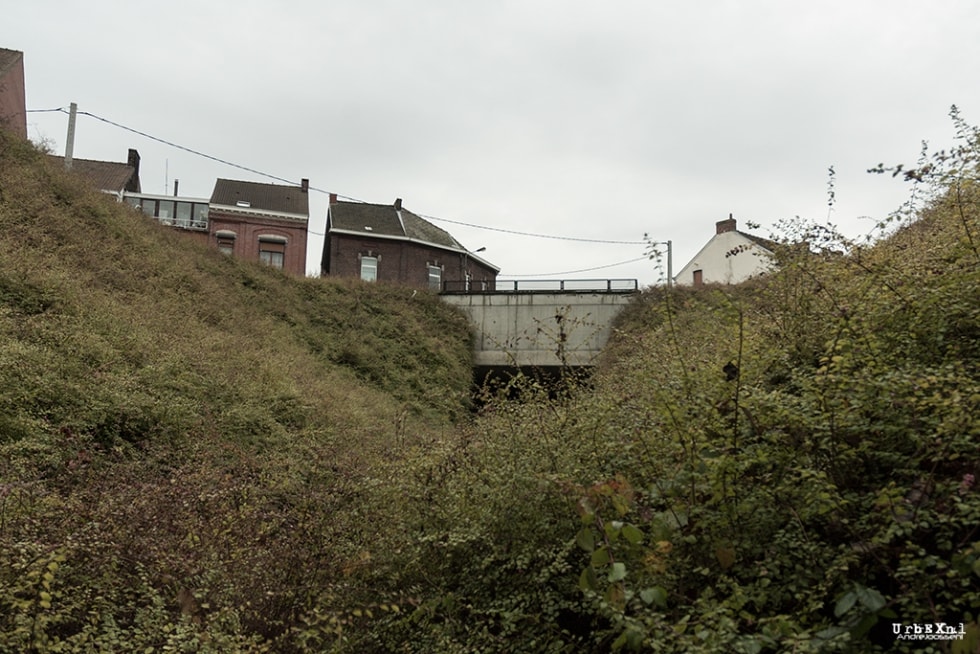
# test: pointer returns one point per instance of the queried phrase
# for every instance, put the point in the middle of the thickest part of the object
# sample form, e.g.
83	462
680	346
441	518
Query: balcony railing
186	213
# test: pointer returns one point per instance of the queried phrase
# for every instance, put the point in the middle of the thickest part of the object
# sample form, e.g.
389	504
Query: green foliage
199	454
808	502
179	433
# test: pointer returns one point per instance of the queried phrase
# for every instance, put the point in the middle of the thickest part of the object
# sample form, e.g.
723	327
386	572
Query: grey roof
262	197
9	58
384	220
102	175
764	243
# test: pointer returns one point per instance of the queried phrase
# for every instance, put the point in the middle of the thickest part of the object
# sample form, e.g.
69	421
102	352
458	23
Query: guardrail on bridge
541	286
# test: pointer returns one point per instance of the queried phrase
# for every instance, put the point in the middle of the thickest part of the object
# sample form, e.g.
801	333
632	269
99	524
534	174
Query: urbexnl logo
929	631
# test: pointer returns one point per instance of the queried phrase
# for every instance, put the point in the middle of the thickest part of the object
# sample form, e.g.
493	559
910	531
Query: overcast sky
581	120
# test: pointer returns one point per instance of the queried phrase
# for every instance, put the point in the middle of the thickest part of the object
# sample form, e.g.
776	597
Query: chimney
333	198
723	226
304	185
398	204
176	185
134	160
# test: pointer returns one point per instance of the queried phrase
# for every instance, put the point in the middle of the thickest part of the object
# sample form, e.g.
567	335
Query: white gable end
728	258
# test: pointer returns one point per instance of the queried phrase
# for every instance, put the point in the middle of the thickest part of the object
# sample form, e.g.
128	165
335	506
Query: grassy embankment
204	455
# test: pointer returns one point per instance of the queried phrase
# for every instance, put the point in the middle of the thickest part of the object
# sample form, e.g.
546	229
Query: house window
369	268
435	278
272	250
226	241
272	258
165	211
468	280
184	210
200	215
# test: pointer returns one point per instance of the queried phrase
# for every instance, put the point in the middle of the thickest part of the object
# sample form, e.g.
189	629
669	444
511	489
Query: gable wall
728	258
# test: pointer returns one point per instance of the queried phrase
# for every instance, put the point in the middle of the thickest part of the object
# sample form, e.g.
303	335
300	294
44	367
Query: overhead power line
574	272
318	190
512	231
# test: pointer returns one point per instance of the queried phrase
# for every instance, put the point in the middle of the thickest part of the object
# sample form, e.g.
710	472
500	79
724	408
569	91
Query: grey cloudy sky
584	120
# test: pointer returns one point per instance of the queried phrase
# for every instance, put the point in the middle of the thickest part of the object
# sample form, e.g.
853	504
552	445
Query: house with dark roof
112	177
388	243
13	96
261	222
730	257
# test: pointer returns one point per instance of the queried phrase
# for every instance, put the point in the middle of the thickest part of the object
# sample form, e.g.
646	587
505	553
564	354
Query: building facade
730	257
388	243
261	222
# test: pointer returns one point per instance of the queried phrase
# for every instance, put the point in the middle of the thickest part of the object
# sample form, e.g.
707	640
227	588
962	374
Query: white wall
728	258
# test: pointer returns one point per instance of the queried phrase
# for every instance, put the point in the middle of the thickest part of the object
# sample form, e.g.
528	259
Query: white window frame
369	268
435	277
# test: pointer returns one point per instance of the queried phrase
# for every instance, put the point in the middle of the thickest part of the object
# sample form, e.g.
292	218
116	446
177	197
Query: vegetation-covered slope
201	455
176	422
788	465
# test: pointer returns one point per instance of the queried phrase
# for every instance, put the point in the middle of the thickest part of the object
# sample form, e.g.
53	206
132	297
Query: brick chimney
398	204
333	198
723	226
133	160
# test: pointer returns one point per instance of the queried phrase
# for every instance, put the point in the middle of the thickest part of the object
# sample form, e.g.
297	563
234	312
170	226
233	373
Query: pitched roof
763	243
9	58
385	220
274	198
102	175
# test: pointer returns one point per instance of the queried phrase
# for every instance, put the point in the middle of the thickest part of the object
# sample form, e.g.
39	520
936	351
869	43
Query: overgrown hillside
785	466
202	455
175	423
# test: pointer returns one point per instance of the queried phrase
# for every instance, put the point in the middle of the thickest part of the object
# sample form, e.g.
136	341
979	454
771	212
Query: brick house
729	257
388	243
261	222
13	96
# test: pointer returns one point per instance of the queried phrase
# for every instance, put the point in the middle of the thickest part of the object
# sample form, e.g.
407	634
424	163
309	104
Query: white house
729	257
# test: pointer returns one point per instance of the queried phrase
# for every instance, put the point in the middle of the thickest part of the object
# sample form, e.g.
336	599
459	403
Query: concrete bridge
540	323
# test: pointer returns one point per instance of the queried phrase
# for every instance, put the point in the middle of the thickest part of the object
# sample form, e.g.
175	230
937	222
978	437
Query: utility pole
654	252
70	141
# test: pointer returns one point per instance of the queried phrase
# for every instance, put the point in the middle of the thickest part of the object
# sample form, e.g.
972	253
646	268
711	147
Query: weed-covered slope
787	465
177	424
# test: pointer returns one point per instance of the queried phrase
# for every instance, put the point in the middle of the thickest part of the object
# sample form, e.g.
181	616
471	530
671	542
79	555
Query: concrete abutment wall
539	329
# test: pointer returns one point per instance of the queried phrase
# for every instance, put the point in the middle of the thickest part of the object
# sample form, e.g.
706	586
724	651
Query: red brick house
13	96
261	222
388	243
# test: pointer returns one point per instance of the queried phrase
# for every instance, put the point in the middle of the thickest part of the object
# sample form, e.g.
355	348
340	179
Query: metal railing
541	286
